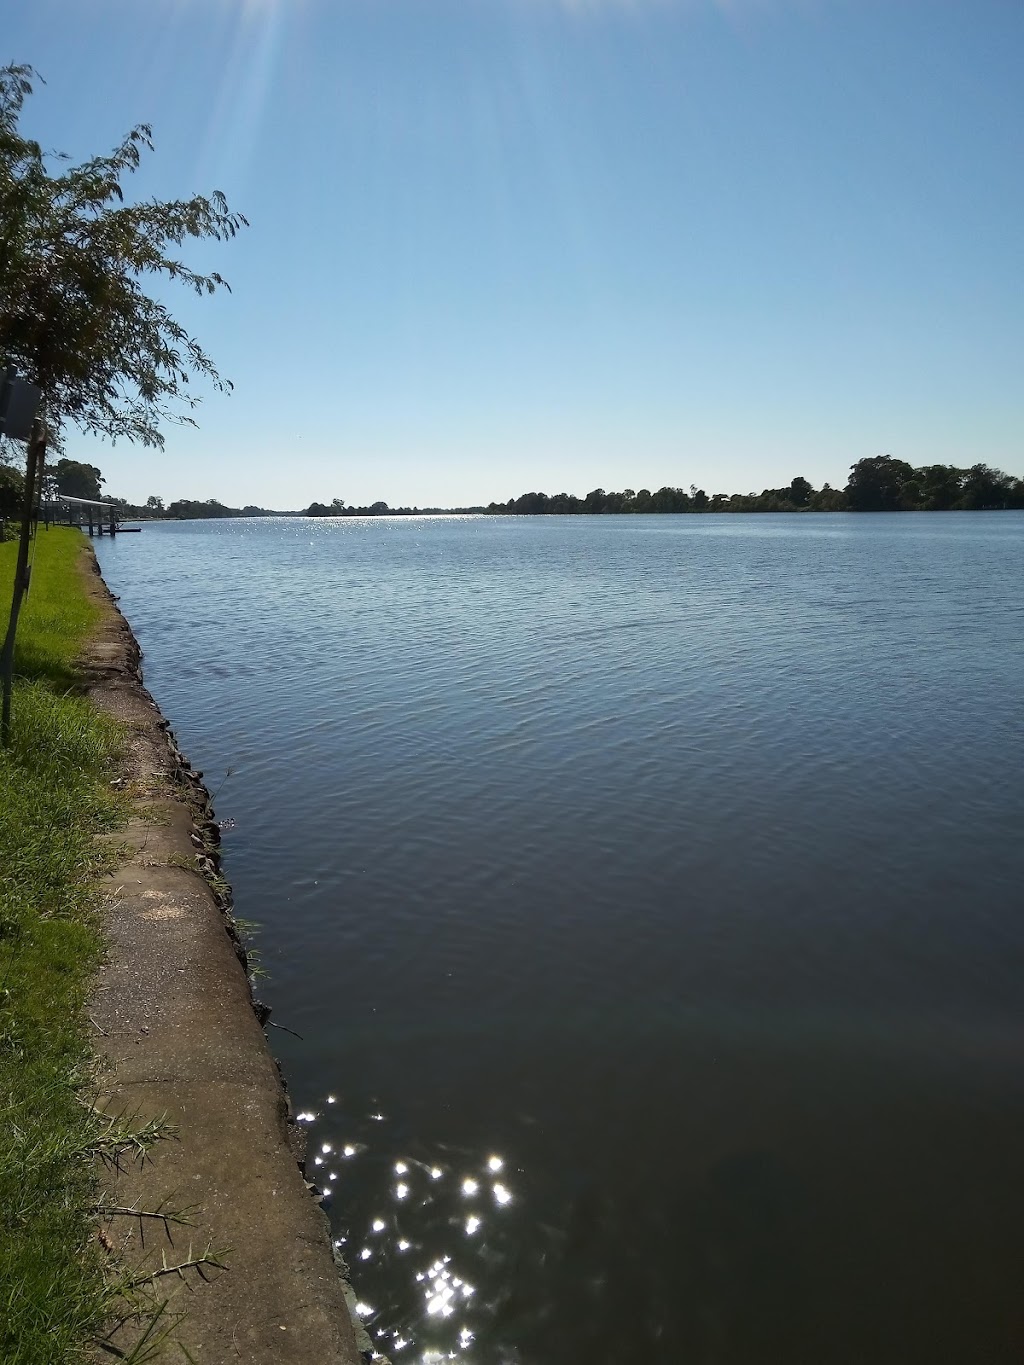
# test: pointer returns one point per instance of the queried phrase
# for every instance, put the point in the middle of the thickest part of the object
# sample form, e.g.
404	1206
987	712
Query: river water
647	892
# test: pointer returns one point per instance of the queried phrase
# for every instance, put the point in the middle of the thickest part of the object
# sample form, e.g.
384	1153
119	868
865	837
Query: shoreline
179	1037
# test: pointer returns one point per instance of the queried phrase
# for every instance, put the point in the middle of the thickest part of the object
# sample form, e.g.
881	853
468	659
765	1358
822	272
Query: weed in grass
183	860
247	930
121	1135
161	1214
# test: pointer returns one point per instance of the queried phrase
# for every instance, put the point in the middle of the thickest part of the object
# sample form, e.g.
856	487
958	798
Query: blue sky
500	245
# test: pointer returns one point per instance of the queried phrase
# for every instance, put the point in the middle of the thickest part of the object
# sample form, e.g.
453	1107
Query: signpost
19	403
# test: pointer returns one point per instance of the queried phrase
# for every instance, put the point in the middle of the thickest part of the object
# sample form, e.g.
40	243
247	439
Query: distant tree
987	489
941	486
337	506
564	505
800	492
155	504
531	504
828	499
669	500
77	480
187	510
877	484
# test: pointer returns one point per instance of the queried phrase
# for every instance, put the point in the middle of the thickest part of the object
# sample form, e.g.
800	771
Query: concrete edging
178	1036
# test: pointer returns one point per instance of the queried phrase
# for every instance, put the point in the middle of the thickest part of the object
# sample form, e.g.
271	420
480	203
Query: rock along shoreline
179	1037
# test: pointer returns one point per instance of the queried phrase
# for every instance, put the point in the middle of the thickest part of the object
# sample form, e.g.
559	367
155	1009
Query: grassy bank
54	798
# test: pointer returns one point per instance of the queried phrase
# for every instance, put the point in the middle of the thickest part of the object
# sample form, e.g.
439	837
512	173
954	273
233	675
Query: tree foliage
878	483
78	480
75	264
12	484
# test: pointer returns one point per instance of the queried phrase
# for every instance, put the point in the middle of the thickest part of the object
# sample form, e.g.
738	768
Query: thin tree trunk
33	474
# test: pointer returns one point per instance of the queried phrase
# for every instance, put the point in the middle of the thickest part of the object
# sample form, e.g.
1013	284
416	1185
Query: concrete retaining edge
179	1036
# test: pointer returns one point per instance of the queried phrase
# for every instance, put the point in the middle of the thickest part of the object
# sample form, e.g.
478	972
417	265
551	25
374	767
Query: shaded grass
55	798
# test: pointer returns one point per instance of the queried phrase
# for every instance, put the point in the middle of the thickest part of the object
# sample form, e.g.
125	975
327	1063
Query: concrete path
179	1038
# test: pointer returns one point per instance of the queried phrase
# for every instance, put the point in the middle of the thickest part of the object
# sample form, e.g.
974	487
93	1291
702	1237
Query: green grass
57	616
54	799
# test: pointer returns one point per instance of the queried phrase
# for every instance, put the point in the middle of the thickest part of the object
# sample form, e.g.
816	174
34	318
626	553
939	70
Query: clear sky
502	245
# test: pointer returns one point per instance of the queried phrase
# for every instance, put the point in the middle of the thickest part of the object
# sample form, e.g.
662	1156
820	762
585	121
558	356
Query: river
647	894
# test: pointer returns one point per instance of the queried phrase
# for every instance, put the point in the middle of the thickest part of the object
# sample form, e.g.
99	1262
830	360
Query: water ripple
673	861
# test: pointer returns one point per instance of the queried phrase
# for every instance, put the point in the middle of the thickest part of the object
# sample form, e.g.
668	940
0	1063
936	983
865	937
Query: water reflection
451	1263
428	1238
755	1249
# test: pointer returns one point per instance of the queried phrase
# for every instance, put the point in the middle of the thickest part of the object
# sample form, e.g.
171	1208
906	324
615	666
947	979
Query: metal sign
19	403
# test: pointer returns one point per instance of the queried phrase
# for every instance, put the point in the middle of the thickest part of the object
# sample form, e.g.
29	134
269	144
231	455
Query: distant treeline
73	479
185	509
337	508
877	484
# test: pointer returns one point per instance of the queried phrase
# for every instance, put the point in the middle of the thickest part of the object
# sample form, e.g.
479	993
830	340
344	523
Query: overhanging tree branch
75	263
75	317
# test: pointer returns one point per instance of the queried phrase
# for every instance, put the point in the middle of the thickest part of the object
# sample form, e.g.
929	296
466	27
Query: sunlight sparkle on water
460	1202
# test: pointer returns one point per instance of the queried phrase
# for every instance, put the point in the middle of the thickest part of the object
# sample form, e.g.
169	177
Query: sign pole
33	474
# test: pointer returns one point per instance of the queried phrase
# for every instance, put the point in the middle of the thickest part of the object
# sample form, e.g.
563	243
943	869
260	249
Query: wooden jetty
98	518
